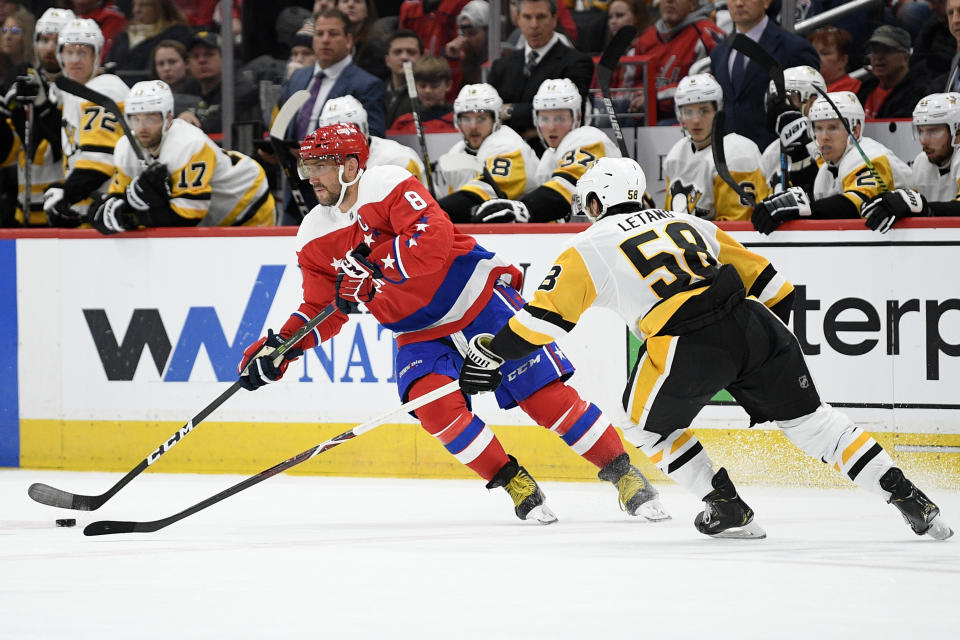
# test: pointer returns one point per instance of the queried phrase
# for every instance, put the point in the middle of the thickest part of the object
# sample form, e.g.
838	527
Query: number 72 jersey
644	266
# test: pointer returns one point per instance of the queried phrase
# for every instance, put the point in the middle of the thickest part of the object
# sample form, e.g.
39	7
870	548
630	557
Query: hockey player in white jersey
188	180
570	150
712	316
844	182
935	180
794	145
90	133
693	184
34	87
383	151
491	161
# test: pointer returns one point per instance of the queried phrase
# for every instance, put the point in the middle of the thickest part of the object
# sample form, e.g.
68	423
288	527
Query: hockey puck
66	522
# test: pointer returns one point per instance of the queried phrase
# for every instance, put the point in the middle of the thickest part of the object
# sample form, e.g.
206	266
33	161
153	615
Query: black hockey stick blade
720	159
758	54
82	91
51	496
612	54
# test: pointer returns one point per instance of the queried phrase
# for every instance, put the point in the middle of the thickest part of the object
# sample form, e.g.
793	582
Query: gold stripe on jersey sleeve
507	170
531	336
414	167
780	294
120	182
726	201
859	187
245	201
747	263
657	352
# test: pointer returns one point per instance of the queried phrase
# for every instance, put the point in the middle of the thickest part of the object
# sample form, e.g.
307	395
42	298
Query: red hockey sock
462	433
579	423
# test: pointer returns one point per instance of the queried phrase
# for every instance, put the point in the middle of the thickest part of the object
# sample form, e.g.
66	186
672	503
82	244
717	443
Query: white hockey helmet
80	31
52	21
801	80
938	108
701	87
344	109
848	106
149	96
479	97
612	181
557	93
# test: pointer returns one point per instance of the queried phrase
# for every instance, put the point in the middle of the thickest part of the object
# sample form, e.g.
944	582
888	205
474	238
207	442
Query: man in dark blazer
517	75
745	87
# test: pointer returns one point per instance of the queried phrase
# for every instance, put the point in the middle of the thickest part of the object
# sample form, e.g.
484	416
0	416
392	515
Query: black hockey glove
257	367
501	210
358	280
883	211
793	129
775	210
150	189
58	210
481	367
113	215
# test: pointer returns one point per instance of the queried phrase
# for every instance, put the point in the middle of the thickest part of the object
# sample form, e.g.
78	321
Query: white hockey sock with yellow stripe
679	455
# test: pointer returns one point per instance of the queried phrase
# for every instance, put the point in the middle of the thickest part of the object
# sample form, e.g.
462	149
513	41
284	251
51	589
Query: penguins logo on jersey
684	197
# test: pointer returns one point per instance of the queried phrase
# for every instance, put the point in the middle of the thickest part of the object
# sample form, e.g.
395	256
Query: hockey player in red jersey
379	238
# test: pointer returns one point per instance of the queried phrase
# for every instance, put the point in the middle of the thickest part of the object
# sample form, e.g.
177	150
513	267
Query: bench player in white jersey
693	184
712	316
382	150
935	180
793	131
491	161
46	166
90	133
844	182
188	180
378	237
570	150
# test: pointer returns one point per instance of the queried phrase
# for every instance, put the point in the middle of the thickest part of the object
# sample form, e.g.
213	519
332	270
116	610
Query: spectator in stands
105	13
952	9
206	66
433	78
168	62
892	91
367	52
273	67
404	45
518	75
833	47
435	21
683	34
470	46
153	21
566	27
201	14
744	81
934	47
301	51
16	43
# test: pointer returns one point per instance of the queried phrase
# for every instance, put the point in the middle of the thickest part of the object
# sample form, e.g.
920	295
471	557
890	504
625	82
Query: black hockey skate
637	495
917	509
524	491
725	514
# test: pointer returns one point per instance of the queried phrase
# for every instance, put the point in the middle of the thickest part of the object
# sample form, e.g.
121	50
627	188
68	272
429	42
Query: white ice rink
306	556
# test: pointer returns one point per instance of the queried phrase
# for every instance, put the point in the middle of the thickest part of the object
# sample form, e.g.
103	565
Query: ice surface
388	558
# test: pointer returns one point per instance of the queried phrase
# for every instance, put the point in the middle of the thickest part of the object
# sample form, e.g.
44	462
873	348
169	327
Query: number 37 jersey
647	266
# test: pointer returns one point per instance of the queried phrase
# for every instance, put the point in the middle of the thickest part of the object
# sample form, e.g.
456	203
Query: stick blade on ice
53	497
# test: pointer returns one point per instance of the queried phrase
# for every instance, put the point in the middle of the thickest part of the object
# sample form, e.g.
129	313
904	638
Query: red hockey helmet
336	141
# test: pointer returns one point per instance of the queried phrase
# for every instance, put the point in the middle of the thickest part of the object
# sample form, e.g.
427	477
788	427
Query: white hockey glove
58	210
501	210
775	210
358	280
481	366
883	211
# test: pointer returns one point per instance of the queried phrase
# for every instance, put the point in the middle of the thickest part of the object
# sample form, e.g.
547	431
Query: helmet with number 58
608	183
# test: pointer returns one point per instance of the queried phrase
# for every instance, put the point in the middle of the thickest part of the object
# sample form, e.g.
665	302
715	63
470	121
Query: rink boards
111	344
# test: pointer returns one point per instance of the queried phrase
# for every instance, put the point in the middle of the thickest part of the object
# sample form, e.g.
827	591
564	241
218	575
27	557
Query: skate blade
752	531
542	514
939	530
653	511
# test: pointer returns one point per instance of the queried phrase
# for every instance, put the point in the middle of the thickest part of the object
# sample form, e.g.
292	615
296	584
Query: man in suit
517	75
745	82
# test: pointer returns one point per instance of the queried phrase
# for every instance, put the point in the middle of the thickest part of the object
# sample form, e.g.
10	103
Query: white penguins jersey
90	134
693	185
455	168
936	184
560	168
509	160
644	266
391	152
851	177
770	163
208	184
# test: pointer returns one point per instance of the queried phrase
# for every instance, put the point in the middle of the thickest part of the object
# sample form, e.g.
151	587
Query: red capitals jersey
674	56
436	280
437	27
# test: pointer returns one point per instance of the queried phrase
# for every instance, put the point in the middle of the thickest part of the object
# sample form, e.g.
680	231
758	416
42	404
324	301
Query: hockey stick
872	169
303	195
608	62
82	91
415	104
27	204
720	160
45	494
104	527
